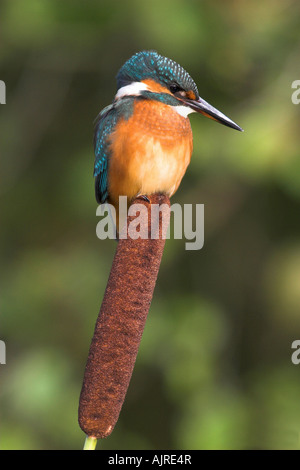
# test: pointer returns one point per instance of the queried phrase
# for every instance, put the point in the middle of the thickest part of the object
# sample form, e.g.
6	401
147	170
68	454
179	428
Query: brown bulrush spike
120	323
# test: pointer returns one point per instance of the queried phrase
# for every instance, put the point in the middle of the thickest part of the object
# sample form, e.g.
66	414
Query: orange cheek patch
156	87
190	95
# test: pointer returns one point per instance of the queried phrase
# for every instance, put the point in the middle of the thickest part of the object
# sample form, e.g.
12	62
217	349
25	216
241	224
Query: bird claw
143	197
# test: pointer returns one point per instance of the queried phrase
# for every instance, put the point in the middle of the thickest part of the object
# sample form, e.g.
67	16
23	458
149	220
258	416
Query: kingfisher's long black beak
202	107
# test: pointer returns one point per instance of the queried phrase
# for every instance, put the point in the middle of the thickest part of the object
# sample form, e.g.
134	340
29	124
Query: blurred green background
214	369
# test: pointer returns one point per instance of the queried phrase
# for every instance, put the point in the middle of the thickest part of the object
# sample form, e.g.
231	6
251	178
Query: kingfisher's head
156	77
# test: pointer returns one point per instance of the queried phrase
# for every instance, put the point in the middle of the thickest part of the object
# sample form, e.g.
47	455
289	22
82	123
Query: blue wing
105	124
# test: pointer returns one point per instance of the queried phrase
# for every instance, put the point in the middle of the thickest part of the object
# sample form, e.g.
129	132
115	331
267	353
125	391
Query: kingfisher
143	140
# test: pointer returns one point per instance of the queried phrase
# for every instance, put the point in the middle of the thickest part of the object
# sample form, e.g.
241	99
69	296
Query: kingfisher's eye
174	88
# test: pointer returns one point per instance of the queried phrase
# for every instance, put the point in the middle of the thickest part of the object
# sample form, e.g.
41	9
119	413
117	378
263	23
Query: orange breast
149	152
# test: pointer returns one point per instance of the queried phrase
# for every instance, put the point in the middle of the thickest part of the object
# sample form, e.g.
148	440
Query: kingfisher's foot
143	197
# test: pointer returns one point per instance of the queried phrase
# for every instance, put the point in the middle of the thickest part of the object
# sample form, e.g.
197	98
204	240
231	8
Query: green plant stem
90	443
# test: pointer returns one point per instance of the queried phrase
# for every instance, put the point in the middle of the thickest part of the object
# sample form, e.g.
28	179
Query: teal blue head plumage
143	140
150	64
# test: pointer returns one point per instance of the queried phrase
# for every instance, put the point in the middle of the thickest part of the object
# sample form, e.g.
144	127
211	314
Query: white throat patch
183	110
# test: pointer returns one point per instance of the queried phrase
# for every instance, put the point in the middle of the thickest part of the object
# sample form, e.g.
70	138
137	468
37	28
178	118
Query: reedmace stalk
120	324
